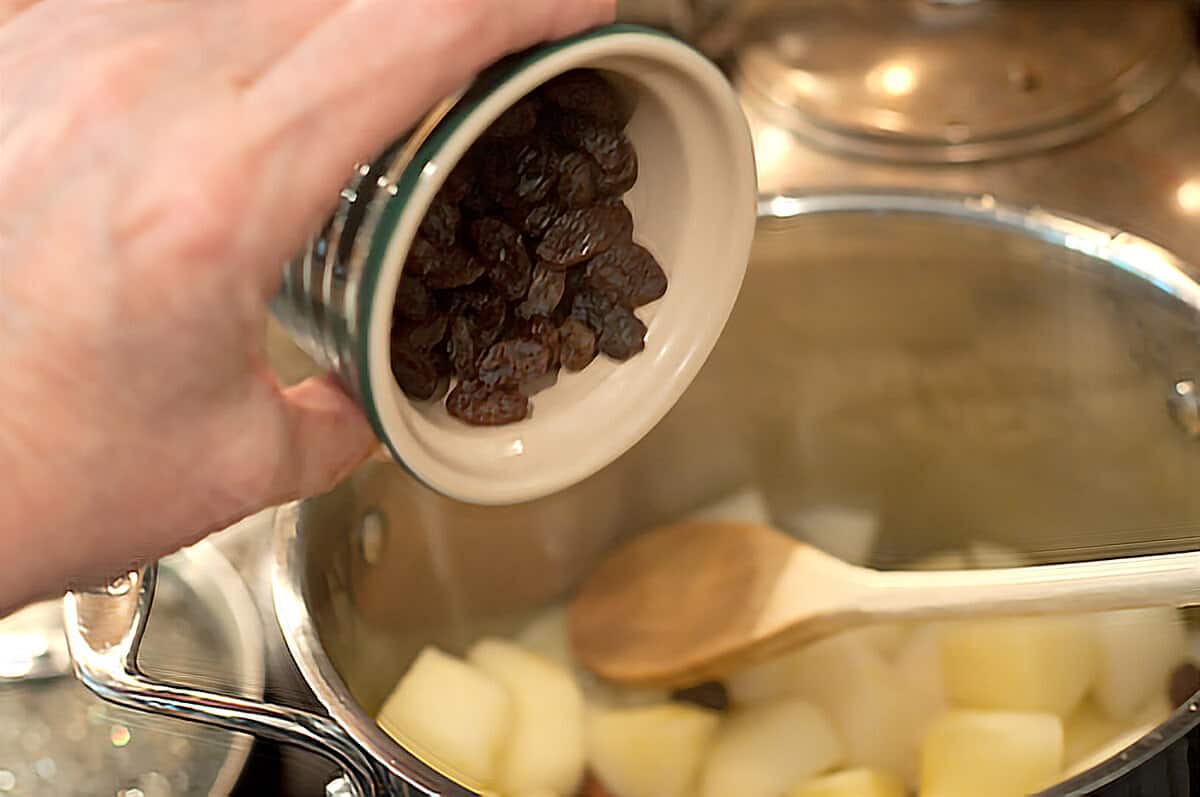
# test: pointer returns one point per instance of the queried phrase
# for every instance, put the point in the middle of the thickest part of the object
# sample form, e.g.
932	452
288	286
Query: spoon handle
1127	583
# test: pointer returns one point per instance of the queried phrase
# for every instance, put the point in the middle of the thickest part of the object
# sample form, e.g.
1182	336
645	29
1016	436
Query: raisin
579	235
541	328
577	344
516	362
423	258
440	225
517	122
622	334
413	299
536	174
538	219
545	292
503	251
710	694
628	274
453	268
591	308
1183	684
421	335
577	179
588	93
460	184
415	372
462	348
482	405
610	149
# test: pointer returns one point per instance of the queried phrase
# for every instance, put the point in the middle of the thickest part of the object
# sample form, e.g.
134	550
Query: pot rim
1140	257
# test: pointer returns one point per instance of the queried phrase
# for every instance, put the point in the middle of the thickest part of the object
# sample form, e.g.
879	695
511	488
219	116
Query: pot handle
104	633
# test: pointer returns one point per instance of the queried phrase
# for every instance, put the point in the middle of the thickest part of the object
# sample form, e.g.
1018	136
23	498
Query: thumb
327	437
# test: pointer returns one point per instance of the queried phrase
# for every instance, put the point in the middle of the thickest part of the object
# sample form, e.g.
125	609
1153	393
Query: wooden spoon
694	601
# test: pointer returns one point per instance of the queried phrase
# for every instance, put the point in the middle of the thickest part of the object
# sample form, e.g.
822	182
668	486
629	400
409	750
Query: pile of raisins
525	262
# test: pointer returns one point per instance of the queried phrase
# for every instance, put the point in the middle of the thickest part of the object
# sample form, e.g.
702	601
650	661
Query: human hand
159	161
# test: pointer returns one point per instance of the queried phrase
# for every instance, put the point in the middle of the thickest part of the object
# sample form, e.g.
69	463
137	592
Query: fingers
10	8
327	437
367	73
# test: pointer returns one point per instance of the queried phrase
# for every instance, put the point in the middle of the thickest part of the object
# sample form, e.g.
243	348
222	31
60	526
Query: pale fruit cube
747	505
766	750
819	668
849	533
991	754
1019	664
1136	652
450	713
853	783
918	666
545	749
649	751
992	555
878	720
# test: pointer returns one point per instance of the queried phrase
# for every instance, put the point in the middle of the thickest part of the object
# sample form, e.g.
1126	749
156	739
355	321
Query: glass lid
953	80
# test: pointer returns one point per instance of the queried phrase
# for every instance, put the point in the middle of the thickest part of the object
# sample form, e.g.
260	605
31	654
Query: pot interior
950	371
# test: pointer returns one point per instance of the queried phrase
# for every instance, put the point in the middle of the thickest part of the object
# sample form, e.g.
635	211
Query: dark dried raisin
463	348
415	372
591	308
503	251
413	299
518	121
454	268
628	274
577	344
622	334
461	181
710	694
535	175
542	329
440	225
609	148
579	235
480	405
516	362
422	335
588	93
577	179
423	257
538	219
545	292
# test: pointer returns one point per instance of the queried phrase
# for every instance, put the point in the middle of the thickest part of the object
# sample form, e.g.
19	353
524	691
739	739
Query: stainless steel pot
960	366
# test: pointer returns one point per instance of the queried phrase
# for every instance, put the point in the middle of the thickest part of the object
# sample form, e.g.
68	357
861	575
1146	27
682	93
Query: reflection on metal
923	82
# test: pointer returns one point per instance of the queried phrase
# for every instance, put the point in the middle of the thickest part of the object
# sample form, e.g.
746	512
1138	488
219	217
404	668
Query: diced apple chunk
650	751
545	749
1136	652
853	783
766	750
452	714
878	718
991	754
1018	664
